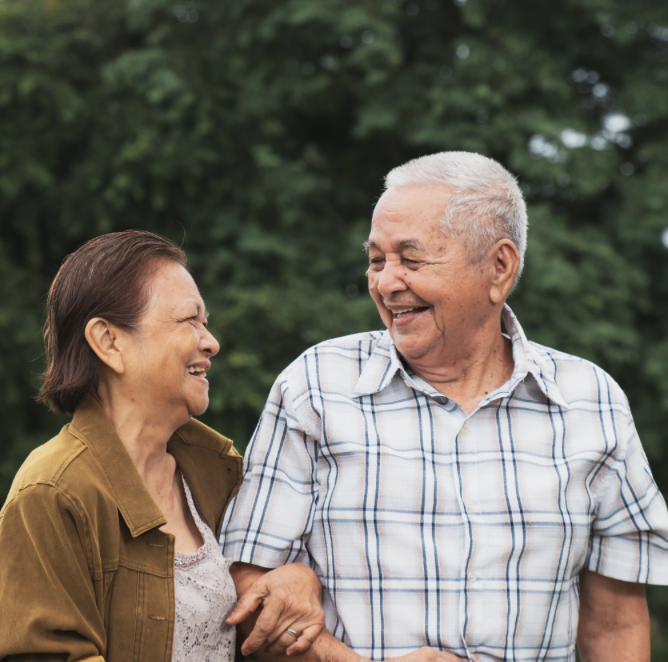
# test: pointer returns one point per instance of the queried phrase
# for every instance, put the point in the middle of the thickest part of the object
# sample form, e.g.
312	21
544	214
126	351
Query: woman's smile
199	370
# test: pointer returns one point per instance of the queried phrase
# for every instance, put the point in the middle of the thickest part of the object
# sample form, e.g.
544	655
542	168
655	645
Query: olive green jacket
85	572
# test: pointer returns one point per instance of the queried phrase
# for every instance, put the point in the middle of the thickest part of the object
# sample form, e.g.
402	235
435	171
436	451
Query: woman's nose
209	344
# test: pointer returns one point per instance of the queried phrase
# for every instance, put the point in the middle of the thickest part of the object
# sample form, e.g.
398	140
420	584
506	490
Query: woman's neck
144	431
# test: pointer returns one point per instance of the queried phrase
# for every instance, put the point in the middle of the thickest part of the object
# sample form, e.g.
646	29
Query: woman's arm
290	597
47	595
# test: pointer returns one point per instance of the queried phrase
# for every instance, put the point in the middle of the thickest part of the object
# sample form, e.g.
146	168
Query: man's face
428	294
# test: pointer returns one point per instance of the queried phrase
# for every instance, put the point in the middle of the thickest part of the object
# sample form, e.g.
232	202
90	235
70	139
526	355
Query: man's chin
411	348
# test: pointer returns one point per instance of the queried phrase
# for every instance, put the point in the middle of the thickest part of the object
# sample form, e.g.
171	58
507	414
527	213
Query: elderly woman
108	539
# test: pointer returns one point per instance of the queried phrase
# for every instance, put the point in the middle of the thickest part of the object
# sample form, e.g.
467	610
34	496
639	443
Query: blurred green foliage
257	132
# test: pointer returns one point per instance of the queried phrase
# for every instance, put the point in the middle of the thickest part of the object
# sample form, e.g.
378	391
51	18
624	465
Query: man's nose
391	278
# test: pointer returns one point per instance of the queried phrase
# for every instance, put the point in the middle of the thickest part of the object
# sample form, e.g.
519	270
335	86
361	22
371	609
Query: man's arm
325	648
614	620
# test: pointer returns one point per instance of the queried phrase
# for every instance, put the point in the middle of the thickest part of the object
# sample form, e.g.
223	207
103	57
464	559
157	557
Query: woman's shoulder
198	435
211	466
47	462
62	463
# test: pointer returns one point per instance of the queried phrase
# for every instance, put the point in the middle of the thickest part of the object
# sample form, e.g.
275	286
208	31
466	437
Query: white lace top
204	596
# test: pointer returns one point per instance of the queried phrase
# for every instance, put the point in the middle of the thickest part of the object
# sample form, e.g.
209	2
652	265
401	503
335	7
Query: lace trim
204	596
183	559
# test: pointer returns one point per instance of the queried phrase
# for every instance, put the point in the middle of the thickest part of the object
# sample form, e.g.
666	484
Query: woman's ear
103	340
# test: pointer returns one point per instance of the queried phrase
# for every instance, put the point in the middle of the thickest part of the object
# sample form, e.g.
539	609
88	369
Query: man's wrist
327	648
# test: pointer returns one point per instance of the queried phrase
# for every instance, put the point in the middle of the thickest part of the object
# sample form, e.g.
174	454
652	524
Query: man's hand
427	654
325	648
614	620
290	597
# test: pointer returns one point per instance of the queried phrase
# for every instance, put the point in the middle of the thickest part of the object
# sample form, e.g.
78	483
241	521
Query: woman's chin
199	407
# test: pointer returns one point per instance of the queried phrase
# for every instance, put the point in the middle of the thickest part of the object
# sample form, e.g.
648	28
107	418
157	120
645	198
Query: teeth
405	310
194	370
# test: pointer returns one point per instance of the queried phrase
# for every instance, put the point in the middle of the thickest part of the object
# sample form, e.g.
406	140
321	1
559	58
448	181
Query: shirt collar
529	361
384	363
380	369
135	503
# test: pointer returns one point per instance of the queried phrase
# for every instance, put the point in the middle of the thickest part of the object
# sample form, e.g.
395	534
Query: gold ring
292	633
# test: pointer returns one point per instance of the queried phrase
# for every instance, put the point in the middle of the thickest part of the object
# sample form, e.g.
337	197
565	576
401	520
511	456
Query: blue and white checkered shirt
431	526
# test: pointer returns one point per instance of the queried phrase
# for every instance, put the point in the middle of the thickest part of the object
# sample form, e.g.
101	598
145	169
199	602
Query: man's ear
103	340
504	262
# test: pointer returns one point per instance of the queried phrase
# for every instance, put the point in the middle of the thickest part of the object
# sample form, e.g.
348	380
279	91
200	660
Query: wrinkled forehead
172	289
409	217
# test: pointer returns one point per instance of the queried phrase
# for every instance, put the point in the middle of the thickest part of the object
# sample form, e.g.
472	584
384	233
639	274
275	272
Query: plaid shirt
431	526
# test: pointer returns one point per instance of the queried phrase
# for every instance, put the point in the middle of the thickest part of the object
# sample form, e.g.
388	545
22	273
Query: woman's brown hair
105	277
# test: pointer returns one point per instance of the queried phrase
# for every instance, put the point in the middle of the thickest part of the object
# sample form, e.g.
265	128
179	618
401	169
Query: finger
264	631
246	605
287	642
282	644
308	636
308	628
275	618
311	615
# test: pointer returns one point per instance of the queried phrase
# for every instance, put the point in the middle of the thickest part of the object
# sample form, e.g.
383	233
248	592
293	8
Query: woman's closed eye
198	319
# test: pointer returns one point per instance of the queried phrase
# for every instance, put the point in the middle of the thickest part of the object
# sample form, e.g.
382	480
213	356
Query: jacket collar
135	503
384	363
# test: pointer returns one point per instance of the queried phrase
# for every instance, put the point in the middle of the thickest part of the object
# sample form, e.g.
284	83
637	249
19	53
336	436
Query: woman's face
166	361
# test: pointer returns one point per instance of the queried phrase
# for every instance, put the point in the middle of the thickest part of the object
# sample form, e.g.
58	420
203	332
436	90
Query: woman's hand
290	597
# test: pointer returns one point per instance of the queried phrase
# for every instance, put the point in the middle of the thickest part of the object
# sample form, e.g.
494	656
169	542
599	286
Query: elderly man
461	492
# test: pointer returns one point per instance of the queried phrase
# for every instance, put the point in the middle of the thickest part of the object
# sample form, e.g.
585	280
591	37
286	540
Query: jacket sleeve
48	608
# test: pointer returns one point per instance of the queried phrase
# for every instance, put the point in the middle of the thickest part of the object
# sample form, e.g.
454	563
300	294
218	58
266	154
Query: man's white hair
486	203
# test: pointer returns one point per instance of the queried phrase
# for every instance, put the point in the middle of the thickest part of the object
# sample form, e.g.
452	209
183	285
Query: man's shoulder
333	365
342	350
578	379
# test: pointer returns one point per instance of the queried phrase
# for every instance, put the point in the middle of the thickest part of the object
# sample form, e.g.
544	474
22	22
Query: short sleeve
629	538
270	518
47	596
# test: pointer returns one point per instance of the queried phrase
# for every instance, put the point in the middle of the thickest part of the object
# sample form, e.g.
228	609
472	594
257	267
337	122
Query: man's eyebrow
411	244
404	243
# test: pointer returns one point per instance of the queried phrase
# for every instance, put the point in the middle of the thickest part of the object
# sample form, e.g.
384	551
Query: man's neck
467	371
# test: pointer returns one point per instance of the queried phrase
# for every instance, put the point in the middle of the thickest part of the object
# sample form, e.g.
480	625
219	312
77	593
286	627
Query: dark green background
258	132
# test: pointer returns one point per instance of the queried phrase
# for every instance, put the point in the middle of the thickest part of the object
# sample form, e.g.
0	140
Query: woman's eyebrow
199	311
198	308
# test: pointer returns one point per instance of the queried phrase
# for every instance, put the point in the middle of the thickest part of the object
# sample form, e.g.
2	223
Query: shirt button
472	577
464	432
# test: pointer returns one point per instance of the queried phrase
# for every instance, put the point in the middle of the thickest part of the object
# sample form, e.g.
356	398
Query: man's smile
403	314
